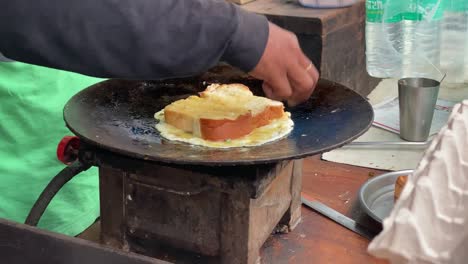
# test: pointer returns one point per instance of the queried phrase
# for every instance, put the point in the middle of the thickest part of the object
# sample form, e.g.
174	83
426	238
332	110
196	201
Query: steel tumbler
417	99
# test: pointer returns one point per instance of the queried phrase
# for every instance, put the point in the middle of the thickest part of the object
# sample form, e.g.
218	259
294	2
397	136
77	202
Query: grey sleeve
135	39
3	58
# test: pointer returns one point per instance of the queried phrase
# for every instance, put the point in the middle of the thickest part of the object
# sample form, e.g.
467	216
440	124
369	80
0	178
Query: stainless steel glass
417	98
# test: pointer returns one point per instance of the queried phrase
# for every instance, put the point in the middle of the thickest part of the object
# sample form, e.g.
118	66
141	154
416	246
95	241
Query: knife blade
339	218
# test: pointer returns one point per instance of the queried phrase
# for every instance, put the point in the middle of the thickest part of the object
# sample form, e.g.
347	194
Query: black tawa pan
117	115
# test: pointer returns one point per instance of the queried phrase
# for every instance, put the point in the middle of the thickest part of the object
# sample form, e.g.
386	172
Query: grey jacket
3	58
135	39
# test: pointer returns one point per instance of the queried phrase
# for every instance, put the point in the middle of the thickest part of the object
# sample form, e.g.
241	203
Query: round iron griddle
117	115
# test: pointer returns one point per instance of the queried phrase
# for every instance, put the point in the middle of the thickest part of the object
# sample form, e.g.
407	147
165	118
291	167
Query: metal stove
190	204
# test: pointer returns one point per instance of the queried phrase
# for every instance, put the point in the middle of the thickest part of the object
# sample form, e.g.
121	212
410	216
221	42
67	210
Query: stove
190	204
203	214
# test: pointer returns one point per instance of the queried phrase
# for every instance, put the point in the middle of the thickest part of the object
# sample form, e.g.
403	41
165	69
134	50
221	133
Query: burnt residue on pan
118	115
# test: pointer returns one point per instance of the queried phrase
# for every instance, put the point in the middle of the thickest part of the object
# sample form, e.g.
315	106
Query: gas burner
192	204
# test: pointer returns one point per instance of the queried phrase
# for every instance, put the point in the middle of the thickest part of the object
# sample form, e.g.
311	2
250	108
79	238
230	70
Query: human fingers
278	87
302	84
305	62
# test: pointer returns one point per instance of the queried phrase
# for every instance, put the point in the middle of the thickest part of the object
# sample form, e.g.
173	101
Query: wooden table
318	239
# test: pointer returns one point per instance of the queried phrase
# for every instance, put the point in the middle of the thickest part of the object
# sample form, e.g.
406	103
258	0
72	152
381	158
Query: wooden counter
318	239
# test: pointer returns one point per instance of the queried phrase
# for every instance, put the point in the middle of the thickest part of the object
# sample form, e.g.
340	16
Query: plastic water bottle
402	37
454	41
466	45
382	41
420	38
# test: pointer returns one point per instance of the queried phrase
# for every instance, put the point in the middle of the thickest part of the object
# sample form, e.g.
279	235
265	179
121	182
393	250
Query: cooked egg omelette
277	129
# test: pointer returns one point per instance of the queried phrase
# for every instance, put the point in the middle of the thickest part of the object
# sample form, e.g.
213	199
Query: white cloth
429	223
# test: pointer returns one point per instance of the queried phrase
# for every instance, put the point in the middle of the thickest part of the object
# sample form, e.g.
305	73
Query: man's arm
139	39
155	39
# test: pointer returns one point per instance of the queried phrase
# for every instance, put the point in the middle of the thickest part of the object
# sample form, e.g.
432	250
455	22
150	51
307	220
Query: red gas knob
67	149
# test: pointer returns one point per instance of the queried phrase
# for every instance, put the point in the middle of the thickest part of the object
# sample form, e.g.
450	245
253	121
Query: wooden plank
335	184
21	244
267	210
111	190
234	235
292	216
331	19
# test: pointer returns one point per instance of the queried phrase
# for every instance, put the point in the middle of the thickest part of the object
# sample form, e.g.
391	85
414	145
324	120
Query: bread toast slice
399	185
222	112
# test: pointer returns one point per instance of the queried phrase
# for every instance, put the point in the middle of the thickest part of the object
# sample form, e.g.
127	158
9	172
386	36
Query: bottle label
383	11
391	11
456	5
374	10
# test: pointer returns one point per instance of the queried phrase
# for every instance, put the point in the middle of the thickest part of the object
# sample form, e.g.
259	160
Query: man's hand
286	72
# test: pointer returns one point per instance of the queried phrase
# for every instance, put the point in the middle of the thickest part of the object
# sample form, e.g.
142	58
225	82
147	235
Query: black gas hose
52	189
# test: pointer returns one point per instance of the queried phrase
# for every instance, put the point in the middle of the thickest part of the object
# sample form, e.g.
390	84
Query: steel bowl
377	194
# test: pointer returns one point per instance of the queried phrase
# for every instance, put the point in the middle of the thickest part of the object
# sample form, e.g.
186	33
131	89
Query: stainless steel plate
376	195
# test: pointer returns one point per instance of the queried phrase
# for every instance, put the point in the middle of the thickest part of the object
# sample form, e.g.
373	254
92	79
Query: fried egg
276	130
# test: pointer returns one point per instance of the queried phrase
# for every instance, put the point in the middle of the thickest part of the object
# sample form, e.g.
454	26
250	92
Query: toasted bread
222	112
399	185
